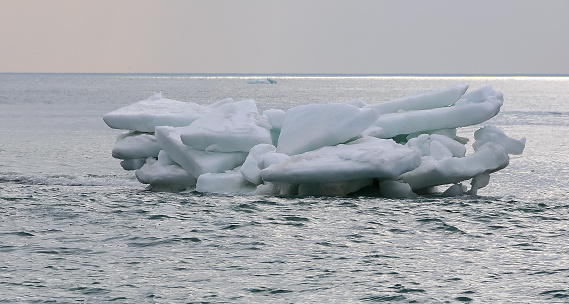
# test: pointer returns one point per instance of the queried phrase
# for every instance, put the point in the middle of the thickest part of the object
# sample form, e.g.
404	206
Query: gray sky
285	36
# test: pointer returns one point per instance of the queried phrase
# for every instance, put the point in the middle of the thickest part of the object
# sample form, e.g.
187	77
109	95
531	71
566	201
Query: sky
285	36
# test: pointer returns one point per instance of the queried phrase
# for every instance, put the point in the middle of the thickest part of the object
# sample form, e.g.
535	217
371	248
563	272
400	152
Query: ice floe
397	148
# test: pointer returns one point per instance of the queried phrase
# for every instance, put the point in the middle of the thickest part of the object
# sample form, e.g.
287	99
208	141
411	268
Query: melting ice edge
392	149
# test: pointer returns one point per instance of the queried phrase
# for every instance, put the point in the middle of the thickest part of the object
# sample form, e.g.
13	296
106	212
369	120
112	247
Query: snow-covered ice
145	115
232	127
396	148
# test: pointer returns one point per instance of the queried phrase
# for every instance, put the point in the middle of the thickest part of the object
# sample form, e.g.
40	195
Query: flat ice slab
309	127
473	108
145	115
232	127
368	157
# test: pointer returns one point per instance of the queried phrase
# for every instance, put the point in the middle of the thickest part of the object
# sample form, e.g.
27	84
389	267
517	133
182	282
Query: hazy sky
285	36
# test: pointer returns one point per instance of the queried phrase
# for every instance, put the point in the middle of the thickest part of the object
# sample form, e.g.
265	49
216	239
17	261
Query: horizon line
308	74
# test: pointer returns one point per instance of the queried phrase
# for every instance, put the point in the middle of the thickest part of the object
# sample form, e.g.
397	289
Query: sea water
76	228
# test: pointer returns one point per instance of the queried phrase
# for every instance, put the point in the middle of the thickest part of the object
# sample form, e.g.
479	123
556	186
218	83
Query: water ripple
181	247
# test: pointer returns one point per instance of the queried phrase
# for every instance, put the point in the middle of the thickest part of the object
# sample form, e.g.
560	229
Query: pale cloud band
292	36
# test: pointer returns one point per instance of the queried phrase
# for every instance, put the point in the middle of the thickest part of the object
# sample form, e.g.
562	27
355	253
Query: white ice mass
396	148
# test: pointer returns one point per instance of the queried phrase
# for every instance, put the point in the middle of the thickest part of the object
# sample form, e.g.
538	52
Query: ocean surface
76	228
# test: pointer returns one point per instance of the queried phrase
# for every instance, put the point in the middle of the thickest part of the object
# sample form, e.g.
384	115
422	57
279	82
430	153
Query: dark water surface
75	228
95	244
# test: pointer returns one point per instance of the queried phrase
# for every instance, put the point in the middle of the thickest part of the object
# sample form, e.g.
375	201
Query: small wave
90	290
21	233
382	298
463	299
268	290
68	180
556	293
153	241
549	118
247	208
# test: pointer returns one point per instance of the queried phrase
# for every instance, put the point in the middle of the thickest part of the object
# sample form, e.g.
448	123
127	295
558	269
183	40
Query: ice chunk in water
423	100
231	182
136	145
194	161
133	163
145	115
454	190
321	149
232	127
367	157
489	158
438	146
396	189
495	135
475	108
163	174
309	127
251	169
